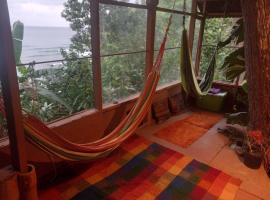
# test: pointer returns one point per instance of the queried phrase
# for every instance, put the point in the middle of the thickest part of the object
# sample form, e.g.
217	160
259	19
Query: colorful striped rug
140	169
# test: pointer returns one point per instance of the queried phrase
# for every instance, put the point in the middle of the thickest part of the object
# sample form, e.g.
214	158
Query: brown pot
253	160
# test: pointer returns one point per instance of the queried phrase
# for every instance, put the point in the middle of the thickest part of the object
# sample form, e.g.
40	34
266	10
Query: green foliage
122	30
234	63
216	31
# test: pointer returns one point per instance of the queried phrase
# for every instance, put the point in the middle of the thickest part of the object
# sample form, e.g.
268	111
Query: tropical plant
234	63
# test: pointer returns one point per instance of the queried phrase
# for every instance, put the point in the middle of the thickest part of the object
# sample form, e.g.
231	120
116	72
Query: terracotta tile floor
212	149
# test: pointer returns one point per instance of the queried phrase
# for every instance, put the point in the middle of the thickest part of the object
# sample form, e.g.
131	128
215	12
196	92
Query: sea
41	44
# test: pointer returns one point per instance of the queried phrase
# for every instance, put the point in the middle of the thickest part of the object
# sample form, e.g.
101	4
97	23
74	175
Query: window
170	69
196	38
55	68
54	91
216	29
179	4
122	76
143	2
123	31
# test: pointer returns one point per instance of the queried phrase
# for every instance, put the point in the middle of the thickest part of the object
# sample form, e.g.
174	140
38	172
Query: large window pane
175	32
196	38
170	68
143	2
122	76
207	53
179	4
171	61
123	29
216	29
54	30
55	91
46	31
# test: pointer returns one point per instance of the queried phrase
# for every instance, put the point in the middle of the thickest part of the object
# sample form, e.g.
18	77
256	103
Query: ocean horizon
44	43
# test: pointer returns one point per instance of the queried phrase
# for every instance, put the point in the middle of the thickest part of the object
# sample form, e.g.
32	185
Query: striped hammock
49	141
188	77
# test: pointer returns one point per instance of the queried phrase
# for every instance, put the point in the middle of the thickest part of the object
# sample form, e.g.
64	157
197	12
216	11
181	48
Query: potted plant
256	146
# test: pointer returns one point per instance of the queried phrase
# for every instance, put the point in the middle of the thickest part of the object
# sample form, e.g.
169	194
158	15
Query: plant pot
253	160
240	148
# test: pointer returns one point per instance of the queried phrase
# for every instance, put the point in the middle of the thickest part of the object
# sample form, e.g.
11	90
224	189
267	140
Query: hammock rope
51	142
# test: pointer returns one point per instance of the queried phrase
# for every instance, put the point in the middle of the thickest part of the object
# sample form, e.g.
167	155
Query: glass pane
122	76
217	29
170	68
207	52
222	54
196	38
3	124
53	91
179	4
46	27
175	32
142	2
123	29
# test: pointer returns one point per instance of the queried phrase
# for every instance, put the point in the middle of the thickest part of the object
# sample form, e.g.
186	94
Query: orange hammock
49	141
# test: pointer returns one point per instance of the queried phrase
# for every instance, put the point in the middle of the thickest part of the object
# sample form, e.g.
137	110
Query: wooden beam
167	10
96	59
10	89
150	34
221	15
150	42
200	41
192	23
121	3
257	58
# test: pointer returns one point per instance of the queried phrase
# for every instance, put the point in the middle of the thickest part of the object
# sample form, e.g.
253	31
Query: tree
257	55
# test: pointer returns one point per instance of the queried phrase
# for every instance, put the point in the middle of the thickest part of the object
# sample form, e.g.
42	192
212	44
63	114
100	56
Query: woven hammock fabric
188	77
49	141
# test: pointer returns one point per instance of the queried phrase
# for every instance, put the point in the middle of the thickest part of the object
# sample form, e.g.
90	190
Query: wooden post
192	23
150	41
150	34
96	60
200	41
8	77
257	54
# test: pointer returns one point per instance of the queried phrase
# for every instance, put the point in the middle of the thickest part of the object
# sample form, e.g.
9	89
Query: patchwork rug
186	131
139	169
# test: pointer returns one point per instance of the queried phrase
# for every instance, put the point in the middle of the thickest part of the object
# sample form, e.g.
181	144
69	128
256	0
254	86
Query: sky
37	12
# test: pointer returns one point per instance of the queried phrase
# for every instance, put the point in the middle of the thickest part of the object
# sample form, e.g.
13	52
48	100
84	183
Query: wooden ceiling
217	8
